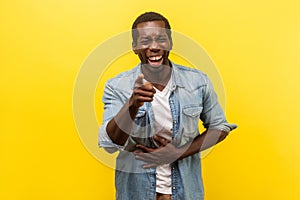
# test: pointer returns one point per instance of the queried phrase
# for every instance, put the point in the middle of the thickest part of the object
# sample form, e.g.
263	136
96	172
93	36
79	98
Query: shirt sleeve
112	105
212	114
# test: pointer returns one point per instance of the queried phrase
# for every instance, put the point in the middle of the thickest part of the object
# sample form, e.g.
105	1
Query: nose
154	46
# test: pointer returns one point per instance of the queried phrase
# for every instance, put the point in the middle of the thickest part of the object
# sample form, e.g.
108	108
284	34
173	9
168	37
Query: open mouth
155	60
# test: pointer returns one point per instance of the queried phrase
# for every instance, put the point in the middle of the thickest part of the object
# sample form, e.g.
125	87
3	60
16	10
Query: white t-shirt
163	127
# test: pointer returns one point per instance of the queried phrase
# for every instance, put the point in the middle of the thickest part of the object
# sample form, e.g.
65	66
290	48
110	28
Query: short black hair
148	17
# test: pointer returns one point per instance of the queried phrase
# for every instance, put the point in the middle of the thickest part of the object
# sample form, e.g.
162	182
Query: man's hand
119	128
166	153
143	92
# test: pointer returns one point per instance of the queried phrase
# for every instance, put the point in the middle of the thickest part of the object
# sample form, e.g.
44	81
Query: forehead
151	28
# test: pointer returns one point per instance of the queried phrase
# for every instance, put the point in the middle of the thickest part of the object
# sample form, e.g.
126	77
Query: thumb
139	81
163	141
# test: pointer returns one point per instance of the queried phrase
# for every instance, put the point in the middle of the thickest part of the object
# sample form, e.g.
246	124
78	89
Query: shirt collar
176	79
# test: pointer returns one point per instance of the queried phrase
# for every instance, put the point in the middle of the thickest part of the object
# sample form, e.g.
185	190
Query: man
151	115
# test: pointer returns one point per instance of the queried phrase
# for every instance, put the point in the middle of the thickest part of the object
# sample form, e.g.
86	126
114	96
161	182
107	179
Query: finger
151	165
137	151
147	157
144	93
161	140
141	100
148	87
143	158
145	149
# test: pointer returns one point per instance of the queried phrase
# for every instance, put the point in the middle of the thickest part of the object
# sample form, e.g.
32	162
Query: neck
159	77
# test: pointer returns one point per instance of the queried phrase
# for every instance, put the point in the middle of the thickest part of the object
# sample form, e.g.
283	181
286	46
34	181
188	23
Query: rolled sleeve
112	105
212	115
226	127
105	141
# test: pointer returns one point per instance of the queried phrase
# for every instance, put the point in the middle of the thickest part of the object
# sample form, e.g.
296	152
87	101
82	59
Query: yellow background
255	45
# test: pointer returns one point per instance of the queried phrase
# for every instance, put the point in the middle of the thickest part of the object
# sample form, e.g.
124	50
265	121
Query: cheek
142	56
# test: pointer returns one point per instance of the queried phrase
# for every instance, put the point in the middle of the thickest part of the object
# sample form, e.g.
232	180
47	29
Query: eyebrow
158	36
145	37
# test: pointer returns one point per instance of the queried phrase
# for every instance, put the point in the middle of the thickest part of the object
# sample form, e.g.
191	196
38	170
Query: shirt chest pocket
141	117
141	123
190	119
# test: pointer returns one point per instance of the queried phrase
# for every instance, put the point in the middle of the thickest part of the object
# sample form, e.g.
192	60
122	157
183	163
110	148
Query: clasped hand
166	153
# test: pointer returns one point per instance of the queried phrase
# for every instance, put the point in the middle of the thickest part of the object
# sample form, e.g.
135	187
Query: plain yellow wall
254	44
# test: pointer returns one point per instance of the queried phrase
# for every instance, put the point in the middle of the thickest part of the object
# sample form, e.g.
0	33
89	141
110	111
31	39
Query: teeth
155	58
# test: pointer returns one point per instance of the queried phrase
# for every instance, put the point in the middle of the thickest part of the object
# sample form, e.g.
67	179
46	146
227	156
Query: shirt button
174	188
152	184
174	121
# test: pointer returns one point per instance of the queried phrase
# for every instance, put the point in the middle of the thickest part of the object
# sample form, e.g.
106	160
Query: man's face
152	44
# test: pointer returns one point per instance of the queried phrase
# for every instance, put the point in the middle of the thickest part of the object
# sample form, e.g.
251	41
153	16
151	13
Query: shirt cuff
225	127
105	141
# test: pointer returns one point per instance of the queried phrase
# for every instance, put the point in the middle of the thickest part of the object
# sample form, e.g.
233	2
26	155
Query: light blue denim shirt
192	98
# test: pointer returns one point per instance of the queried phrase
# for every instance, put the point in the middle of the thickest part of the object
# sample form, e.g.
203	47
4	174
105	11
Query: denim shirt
192	98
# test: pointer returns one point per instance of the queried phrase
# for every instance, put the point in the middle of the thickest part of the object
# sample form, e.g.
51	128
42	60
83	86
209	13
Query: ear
134	47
